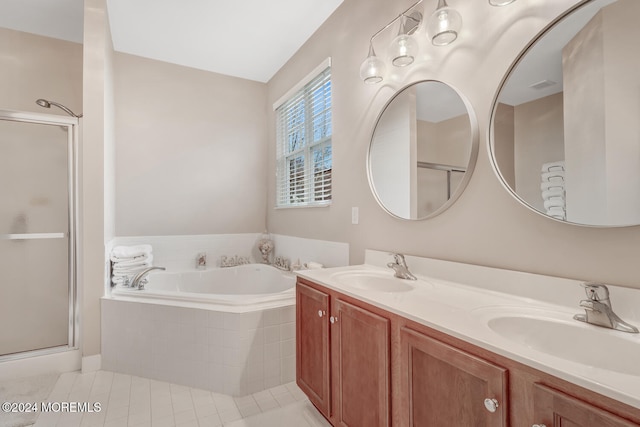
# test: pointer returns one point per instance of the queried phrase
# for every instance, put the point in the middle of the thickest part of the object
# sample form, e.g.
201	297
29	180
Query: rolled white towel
136	262
117	280
555	176
554	202
552	185
130	273
128	252
553	166
556	210
131	268
553	192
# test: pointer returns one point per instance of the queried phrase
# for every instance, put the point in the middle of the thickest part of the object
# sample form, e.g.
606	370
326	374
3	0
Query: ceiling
250	39
543	62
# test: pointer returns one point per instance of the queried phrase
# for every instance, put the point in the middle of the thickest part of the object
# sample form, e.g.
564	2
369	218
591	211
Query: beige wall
486	225
538	139
601	120
190	150
504	142
96	218
33	67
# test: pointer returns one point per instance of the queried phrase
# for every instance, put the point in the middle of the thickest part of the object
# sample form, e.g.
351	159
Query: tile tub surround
178	253
230	353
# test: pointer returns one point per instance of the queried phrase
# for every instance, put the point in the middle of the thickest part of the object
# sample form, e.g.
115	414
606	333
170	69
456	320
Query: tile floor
127	400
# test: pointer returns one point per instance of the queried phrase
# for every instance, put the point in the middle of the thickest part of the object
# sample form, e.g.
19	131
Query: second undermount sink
373	281
557	334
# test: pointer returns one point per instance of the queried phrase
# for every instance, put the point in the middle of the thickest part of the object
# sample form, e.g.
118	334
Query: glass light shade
444	26
403	50
500	2
372	69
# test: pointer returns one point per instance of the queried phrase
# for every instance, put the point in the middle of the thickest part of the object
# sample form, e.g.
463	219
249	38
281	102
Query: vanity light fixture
444	25
372	69
500	2
402	50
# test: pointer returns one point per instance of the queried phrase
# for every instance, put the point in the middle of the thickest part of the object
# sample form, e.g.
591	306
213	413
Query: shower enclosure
38	301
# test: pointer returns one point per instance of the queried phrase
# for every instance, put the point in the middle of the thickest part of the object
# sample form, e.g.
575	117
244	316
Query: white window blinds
303	132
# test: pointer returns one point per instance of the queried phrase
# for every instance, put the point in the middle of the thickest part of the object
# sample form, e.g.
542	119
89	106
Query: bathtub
242	288
229	330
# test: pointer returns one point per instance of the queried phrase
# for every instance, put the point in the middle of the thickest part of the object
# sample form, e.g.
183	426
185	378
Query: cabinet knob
333	319
321	313
491	405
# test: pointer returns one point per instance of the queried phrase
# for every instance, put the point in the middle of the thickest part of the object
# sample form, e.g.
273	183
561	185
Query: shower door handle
32	236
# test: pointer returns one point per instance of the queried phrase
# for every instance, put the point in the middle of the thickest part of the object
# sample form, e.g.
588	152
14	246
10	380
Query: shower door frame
71	123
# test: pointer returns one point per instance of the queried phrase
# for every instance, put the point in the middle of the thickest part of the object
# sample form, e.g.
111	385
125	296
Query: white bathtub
228	330
242	288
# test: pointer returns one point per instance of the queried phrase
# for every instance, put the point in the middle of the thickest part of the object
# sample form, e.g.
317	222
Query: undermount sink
557	334
373	281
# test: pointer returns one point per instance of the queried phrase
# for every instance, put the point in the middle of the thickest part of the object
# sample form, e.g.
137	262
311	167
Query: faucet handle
399	259
596	291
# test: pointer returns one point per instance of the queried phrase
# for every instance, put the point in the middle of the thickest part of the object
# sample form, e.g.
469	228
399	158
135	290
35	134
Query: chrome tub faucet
400	267
598	309
139	279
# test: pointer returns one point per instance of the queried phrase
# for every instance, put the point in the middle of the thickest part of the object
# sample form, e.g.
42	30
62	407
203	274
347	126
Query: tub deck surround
463	307
239	289
228	330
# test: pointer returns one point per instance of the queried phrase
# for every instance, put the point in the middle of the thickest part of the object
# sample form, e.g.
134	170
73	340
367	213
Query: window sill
314	205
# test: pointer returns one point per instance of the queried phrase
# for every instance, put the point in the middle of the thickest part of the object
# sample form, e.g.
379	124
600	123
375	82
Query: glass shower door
37	291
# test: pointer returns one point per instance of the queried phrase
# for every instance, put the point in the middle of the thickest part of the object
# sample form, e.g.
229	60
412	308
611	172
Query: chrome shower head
47	104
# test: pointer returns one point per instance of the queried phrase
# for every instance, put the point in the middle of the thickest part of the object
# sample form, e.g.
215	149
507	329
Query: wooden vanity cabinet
373	368
313	367
343	357
444	385
554	408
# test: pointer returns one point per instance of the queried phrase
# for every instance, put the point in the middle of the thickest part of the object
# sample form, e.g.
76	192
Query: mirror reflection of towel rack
446	168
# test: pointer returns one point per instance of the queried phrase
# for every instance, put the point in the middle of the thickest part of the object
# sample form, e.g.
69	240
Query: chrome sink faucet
139	279
400	267
598	309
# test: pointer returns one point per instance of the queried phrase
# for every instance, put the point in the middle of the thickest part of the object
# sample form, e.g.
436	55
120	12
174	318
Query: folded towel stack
127	261
552	187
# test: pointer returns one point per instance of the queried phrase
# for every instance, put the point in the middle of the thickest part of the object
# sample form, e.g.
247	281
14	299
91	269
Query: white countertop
461	309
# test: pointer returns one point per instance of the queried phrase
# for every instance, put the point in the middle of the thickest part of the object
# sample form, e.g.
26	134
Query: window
303	138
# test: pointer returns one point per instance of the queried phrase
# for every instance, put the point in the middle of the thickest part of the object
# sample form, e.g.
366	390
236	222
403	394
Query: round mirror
565	134
422	151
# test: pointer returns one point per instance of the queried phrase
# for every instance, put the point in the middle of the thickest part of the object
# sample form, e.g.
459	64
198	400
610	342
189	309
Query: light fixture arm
394	20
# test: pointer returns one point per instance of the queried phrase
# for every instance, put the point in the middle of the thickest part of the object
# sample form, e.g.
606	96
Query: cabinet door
445	386
556	409
312	346
361	368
